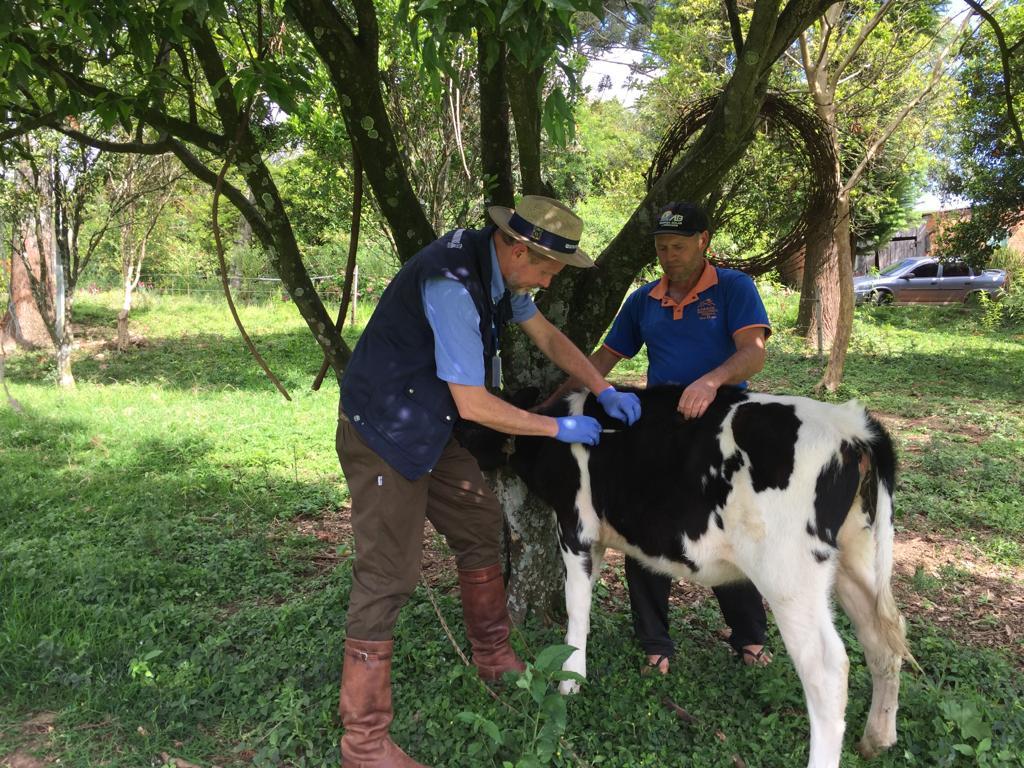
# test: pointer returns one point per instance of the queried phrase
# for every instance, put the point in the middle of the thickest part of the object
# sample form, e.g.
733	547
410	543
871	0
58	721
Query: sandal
655	666
761	658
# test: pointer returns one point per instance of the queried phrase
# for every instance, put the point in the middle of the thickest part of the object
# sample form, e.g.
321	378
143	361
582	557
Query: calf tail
876	494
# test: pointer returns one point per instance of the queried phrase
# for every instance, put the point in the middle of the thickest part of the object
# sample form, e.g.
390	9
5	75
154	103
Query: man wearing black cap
703	327
426	358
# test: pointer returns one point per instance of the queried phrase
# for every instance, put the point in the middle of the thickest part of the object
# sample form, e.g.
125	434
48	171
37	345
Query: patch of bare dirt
19	759
950	583
32	737
939	579
917	432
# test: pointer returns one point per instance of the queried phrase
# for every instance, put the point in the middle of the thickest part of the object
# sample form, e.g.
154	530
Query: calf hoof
567	687
869	748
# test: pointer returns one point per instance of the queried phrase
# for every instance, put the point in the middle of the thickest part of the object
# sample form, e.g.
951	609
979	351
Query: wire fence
250	289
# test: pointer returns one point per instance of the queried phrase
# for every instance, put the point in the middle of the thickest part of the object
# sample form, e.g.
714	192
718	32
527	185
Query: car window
894	267
955	269
926	270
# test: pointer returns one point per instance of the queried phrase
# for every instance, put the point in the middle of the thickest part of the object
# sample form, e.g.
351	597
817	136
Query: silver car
928	280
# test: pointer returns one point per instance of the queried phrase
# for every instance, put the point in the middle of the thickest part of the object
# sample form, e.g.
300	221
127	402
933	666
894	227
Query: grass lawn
174	566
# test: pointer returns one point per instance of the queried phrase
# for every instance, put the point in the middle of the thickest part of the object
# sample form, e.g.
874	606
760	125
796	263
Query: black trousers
741	604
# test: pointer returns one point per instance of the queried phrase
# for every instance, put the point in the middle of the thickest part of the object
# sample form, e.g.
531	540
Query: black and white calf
788	492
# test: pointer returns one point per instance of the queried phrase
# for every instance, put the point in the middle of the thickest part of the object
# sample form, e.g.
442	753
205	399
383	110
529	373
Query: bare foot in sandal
656	662
756	656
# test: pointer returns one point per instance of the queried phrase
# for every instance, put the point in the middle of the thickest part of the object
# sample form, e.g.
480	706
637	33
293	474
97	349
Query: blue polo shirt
685	340
458	347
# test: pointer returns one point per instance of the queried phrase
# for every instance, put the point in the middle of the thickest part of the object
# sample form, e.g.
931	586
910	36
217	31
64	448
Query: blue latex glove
578	429
624	406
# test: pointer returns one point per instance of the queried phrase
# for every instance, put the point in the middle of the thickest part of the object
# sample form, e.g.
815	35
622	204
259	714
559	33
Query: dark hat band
541	236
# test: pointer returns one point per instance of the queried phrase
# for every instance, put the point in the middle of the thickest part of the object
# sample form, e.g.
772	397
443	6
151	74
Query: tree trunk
122	316
843	248
24	324
65	343
820	296
524	89
495	142
531	546
818	275
351	62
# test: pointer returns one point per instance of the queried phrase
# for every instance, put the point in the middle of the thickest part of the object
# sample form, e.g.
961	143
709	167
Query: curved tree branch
1004	56
733	12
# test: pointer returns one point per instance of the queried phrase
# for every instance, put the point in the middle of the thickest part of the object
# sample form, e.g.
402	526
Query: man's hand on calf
578	429
624	406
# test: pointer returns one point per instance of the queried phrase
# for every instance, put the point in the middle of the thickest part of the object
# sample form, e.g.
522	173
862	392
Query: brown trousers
388	513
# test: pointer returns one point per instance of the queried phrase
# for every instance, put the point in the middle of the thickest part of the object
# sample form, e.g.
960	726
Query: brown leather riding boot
487	622
365	707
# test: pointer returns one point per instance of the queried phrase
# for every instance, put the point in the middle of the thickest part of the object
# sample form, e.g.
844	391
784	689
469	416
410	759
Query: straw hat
546	226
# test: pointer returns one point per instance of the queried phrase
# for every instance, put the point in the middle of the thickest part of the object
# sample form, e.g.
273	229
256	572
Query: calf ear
525	398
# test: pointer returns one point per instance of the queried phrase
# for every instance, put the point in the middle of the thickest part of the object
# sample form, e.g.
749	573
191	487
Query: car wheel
881	297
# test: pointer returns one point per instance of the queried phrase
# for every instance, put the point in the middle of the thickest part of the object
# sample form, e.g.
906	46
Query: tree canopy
985	150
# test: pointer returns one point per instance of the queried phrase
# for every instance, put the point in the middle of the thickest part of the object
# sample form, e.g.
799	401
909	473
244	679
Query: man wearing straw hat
427	357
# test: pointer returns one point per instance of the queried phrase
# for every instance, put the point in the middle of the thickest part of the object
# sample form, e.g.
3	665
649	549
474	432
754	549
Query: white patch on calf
589	525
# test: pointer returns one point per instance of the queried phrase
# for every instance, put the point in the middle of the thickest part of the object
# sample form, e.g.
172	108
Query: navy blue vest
390	390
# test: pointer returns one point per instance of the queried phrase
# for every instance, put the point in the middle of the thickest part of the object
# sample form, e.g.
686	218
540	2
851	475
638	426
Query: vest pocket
417	417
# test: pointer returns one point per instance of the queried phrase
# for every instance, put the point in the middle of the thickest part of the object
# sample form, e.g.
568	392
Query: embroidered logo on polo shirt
707	310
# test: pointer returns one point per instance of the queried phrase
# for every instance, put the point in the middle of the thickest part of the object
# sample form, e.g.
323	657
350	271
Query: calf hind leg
581	572
819	656
879	628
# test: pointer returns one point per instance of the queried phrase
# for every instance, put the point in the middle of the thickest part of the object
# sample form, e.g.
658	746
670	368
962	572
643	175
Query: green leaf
552	658
554	709
510	10
557	118
538	689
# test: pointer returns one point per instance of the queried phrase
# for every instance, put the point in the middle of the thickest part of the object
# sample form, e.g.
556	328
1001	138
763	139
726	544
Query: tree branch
792	21
733	12
322	14
865	31
828	27
30	124
190	132
1004	56
161	147
938	72
231	192
212	64
366	15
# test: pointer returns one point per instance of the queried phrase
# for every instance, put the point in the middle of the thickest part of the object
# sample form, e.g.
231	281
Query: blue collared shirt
458	346
687	339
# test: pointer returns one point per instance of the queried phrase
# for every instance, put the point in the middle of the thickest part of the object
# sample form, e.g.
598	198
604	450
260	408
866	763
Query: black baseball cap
681	219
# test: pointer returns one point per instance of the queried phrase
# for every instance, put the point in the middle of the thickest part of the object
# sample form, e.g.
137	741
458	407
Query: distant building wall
1016	240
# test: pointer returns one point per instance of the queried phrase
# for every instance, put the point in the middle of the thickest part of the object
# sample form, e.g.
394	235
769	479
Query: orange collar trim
708	278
